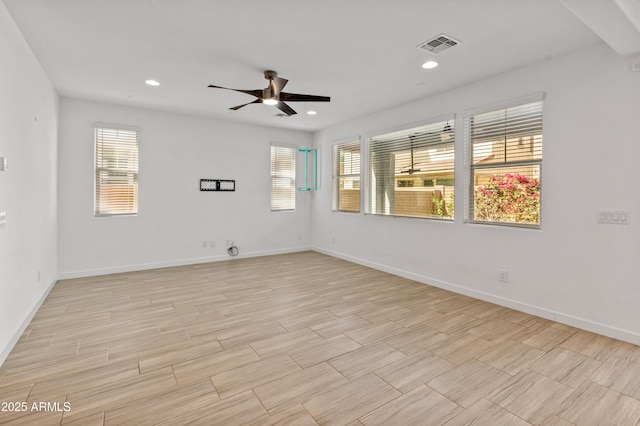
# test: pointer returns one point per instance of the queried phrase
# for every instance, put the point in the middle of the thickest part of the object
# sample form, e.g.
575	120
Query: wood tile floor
304	339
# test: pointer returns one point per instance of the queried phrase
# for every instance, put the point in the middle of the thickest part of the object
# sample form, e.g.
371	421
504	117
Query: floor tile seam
402	394
611	388
557	404
477	356
126	404
255	395
511	412
173	350
114	406
286	351
574	387
76	420
258	385
387	382
294	372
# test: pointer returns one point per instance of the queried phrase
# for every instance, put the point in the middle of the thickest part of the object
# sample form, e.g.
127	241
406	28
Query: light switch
4	164
3	218
621	217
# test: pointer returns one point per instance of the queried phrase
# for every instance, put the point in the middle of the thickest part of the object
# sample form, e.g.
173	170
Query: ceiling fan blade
257	101
286	108
256	93
294	97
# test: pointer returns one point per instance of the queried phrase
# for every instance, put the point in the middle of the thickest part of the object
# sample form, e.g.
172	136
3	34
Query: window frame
470	168
366	164
132	173
336	176
283	175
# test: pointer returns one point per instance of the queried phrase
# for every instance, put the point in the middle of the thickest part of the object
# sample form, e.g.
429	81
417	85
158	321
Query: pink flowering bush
512	198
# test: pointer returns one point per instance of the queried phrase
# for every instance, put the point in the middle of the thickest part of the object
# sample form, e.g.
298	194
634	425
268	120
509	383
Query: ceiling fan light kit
273	94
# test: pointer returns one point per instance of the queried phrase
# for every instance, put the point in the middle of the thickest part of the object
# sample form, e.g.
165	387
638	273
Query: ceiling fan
273	94
411	170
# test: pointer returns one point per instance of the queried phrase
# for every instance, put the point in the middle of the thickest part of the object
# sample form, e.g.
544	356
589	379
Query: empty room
319	213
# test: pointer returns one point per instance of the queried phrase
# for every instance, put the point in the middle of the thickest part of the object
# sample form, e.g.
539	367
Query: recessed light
429	65
311	112
152	83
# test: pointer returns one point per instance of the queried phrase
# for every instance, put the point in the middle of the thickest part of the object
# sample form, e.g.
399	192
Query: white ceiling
362	53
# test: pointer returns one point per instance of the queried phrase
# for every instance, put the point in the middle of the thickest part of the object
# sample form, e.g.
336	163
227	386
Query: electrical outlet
503	275
212	243
3	218
299	237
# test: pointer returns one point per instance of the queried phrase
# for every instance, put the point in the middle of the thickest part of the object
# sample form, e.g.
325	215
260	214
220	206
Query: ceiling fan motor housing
267	93
270	74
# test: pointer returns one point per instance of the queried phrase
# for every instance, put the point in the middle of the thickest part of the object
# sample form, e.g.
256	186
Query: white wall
28	139
174	216
573	270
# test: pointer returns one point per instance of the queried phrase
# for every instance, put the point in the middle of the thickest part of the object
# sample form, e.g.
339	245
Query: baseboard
582	323
167	264
12	342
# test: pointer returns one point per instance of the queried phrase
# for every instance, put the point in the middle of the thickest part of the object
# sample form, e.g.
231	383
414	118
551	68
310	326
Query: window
506	161
346	177
116	171
411	172
283	178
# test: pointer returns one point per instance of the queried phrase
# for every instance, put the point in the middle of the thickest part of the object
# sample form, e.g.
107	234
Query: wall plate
615	217
217	185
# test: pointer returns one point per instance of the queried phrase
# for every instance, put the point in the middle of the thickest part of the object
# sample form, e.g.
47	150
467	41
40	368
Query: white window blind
506	161
346	177
283	178
116	171
411	172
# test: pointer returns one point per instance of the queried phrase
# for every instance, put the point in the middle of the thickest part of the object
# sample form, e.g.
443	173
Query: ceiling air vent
439	44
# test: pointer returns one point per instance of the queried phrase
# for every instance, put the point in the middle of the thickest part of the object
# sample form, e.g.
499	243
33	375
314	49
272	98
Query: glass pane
116	190
346	178
117	193
349	194
507	194
412	172
283	173
507	135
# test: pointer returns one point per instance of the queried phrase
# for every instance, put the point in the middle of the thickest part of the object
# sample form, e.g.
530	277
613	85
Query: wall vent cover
439	44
